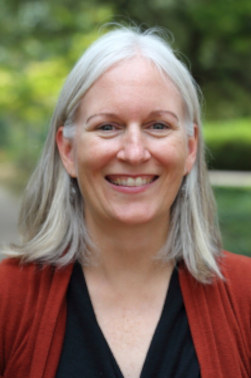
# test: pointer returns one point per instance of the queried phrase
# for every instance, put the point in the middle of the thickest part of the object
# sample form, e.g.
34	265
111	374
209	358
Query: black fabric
87	354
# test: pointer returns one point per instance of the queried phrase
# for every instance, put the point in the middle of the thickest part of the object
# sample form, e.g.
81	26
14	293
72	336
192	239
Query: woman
120	271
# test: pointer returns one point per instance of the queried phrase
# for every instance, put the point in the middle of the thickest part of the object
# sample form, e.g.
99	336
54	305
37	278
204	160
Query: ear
192	150
66	152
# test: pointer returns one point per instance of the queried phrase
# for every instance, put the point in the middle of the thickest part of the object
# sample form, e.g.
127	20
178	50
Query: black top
87	354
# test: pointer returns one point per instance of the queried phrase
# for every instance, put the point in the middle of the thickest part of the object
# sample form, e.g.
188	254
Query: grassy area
228	129
234	207
229	144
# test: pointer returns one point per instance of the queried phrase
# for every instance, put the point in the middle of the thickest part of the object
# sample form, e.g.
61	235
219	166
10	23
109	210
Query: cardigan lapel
50	336
214	326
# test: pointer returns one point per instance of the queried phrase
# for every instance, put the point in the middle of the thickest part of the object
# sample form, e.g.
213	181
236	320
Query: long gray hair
52	216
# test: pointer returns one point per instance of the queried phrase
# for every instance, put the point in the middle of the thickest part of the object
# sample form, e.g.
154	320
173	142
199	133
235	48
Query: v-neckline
168	297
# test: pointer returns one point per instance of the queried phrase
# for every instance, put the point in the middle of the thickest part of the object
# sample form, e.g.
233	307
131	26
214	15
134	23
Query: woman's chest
129	332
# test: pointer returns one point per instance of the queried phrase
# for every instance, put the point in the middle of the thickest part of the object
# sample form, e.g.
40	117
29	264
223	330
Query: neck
127	252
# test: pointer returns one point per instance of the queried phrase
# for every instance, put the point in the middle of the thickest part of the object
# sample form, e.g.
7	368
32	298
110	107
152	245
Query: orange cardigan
33	316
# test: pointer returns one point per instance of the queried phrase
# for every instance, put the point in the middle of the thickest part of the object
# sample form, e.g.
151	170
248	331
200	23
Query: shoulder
11	266
236	270
234	287
22	284
229	295
15	277
236	262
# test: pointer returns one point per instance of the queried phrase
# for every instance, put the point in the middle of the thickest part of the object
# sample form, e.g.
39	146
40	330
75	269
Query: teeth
131	181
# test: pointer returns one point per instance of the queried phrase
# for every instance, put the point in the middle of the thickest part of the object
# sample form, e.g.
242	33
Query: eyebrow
154	113
101	114
160	112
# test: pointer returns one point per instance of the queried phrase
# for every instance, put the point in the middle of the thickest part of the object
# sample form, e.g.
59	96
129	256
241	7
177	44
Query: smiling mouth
131	181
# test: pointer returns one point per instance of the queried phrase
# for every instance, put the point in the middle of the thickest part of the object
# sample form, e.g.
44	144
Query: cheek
172	154
92	155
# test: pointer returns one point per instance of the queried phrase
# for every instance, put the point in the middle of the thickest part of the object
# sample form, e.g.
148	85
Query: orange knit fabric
219	316
33	316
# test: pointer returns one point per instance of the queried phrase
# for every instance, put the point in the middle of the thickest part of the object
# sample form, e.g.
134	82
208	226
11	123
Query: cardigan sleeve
32	318
219	316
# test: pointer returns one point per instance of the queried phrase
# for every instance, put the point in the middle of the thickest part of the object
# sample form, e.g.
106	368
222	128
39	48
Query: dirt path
230	178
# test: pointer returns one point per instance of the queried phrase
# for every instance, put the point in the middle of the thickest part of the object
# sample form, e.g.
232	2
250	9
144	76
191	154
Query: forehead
136	81
133	71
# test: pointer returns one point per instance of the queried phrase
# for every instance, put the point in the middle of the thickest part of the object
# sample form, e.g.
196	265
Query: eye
159	129
108	130
107	127
160	126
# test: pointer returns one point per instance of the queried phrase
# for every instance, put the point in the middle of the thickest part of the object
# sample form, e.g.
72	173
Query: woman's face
131	150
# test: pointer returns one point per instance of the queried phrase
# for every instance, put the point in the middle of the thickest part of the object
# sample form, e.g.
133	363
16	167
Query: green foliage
234	206
229	144
41	40
215	36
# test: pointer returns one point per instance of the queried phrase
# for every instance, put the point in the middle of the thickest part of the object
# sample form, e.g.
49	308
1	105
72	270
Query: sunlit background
40	42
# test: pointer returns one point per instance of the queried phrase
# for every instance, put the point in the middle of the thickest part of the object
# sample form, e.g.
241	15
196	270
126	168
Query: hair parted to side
52	216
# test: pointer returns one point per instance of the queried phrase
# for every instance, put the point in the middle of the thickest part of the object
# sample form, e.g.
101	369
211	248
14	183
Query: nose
133	148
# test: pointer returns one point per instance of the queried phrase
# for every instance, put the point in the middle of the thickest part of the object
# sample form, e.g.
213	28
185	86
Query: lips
130	181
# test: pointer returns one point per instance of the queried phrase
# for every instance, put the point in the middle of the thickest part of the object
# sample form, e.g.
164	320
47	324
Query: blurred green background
42	39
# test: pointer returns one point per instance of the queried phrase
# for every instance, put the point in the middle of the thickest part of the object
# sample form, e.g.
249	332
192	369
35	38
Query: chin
135	219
